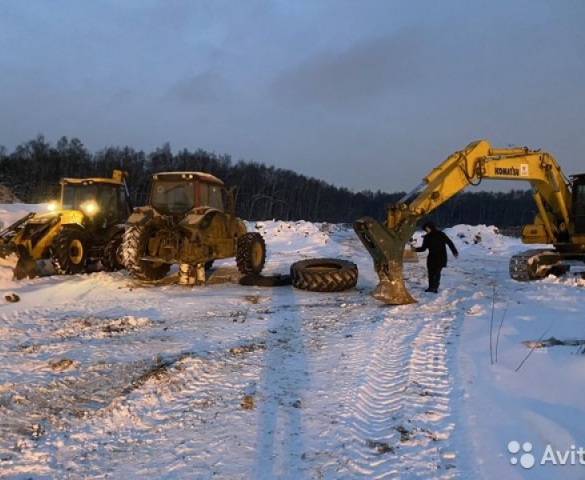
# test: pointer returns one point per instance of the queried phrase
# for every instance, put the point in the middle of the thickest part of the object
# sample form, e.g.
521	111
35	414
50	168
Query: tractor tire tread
133	247
245	253
324	275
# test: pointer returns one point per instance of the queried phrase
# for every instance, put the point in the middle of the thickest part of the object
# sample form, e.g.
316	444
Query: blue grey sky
365	94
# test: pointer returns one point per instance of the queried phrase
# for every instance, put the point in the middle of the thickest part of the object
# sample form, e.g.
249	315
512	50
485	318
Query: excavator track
533	264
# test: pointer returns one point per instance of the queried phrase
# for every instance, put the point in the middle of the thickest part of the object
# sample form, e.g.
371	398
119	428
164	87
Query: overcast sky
365	94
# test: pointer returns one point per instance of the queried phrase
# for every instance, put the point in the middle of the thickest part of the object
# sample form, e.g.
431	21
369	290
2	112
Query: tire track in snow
428	410
397	408
372	401
282	384
204	396
203	422
203	392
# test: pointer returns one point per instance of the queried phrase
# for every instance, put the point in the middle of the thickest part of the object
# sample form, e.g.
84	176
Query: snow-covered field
103	378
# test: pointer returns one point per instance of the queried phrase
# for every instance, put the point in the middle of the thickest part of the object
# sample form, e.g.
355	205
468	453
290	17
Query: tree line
33	170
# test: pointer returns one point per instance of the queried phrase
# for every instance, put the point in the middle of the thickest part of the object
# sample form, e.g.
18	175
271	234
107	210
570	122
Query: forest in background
33	170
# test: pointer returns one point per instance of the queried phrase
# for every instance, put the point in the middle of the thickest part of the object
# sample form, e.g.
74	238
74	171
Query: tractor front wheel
69	251
251	253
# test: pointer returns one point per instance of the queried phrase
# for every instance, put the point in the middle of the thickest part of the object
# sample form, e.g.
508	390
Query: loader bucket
6	248
25	267
387	248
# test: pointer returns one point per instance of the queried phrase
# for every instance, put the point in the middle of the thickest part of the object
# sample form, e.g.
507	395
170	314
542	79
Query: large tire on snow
134	248
251	253
113	259
69	251
324	275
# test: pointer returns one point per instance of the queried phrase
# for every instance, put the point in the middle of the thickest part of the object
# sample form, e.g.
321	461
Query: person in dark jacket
436	241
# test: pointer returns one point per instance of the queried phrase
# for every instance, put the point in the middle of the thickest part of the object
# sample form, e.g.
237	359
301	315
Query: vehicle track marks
396	406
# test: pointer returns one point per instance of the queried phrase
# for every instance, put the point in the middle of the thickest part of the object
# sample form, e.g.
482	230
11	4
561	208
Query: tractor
189	221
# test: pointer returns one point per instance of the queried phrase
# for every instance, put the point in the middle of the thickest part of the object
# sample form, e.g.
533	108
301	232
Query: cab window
215	197
210	196
172	197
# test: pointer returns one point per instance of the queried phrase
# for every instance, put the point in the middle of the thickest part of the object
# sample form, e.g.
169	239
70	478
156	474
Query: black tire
113	259
69	251
324	275
251	253
254	280
134	248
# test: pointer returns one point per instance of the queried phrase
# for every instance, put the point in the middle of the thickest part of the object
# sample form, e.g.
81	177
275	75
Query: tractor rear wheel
134	247
69	251
324	275
113	259
251	253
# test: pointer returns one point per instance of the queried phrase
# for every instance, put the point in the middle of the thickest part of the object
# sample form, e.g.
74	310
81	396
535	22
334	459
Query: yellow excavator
560	220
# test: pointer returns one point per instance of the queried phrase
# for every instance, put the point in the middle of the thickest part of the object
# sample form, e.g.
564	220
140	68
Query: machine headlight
89	208
53	206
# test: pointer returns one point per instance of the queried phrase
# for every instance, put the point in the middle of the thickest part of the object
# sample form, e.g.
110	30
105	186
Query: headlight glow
89	208
53	206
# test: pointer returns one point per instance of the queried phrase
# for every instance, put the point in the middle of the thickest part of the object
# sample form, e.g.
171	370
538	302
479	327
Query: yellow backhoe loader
560	220
83	230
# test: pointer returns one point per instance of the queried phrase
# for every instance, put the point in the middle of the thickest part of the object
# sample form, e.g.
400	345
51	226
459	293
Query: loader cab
579	203
103	203
176	193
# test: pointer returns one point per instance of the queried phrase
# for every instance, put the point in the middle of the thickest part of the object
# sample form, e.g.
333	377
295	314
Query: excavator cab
579	203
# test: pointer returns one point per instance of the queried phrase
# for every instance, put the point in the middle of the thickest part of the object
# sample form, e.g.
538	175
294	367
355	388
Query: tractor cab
177	193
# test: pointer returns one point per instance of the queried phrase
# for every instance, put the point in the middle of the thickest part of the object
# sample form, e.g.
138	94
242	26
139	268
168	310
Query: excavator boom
551	191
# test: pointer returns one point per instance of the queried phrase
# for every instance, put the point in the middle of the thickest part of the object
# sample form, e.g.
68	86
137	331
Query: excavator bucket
387	248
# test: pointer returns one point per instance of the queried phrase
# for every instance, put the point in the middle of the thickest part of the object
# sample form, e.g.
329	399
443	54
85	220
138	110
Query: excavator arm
386	241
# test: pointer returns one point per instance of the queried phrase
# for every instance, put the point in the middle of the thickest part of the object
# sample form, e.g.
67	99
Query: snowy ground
104	378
